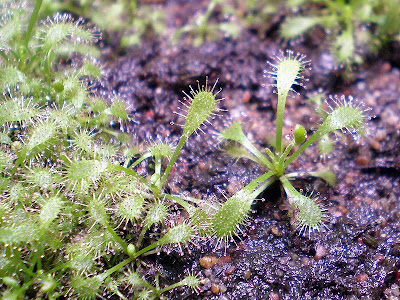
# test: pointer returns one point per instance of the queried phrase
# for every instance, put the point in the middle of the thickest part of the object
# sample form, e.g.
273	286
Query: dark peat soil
357	255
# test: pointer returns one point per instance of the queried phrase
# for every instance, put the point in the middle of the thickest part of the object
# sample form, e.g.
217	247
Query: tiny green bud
300	134
48	284
58	86
131	250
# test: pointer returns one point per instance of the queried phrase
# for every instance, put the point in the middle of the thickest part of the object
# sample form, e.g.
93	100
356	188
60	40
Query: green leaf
233	133
156	214
325	145
17	110
327	175
81	174
97	210
232	213
344	47
11	77
201	106
5	161
118	109
131	207
86	288
40	177
50	209
346	114
41	136
288	71
297	26
178	234
12	23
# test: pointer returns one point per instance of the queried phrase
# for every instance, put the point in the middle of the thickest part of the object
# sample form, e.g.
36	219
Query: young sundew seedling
352	25
344	114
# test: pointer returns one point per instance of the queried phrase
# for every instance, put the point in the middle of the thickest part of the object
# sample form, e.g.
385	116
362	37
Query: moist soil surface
356	255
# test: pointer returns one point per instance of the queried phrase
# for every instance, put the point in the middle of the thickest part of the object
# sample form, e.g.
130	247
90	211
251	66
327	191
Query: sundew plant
344	114
353	25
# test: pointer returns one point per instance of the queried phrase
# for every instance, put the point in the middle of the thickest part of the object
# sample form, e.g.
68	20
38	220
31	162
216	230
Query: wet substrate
357	255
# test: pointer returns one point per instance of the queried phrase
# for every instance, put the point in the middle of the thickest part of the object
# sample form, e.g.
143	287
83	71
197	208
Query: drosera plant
353	25
131	19
343	114
75	216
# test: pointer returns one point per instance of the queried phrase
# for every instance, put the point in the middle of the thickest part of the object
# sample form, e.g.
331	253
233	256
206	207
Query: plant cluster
343	114
353	24
69	192
131	19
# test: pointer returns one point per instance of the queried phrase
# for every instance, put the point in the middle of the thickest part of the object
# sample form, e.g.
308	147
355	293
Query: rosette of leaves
344	114
353	25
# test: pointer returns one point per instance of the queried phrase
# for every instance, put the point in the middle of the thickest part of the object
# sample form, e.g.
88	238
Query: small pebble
370	241
349	178
215	288
246	97
208	262
275	231
273	296
362	277
230	270
362	160
306	261
395	290
224	259
247	274
342	209
374	144
395	250
222	288
320	251
379	258
207	272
